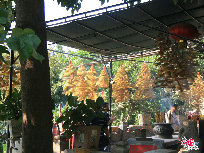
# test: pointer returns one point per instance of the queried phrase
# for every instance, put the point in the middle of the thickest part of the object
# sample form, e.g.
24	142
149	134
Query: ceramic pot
163	130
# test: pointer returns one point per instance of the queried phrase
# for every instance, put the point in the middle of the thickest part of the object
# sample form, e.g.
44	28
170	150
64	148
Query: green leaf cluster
3	49
6	15
74	5
3	131
80	113
10	107
4	27
25	42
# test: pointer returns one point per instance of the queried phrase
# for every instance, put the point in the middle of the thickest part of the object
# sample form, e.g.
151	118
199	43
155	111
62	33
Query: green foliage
24	41
57	64
2	34
37	56
80	113
4	147
3	16
6	17
74	5
3	49
3	131
10	107
4	27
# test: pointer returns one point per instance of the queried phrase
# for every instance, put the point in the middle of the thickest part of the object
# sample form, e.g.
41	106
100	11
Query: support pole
10	94
110	94
110	86
11	72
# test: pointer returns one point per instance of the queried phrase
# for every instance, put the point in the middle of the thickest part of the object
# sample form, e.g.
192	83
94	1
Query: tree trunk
35	82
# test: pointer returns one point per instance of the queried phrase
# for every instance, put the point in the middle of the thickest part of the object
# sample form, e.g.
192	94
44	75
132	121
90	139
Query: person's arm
107	132
111	120
168	117
177	121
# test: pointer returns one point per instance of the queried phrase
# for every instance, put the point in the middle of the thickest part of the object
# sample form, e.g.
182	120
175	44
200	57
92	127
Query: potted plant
77	120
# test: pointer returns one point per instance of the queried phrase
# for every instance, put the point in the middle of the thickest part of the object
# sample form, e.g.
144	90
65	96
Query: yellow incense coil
103	81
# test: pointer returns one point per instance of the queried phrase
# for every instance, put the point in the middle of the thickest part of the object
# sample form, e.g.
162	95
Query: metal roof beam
186	12
104	42
166	32
76	41
88	58
109	37
133	29
148	14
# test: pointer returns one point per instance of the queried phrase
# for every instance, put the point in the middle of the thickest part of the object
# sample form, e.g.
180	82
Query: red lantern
183	29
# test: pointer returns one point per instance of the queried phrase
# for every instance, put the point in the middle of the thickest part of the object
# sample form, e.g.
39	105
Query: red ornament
183	29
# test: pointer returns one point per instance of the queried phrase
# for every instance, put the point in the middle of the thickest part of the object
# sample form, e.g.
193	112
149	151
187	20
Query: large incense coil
81	70
121	80
121	95
177	61
70	70
91	79
121	85
93	95
144	84
82	89
70	80
103	80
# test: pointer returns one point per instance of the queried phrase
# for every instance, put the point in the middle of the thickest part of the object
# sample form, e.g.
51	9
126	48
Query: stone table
162	151
160	143
167	142
74	151
133	141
